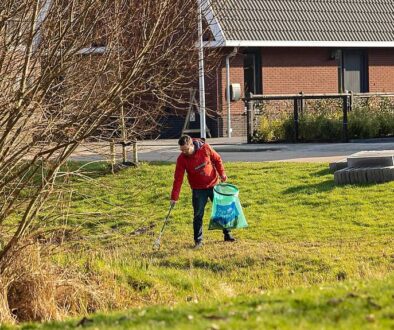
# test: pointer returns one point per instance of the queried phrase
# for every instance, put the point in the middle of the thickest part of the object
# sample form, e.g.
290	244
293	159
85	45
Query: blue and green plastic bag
226	209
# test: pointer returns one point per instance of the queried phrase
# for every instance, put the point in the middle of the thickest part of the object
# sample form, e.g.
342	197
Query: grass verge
306	235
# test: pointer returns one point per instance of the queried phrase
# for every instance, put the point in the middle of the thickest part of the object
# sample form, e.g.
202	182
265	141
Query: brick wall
381	70
238	123
284	71
295	70
216	99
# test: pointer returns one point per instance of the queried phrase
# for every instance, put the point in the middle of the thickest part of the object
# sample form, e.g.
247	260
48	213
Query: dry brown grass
34	289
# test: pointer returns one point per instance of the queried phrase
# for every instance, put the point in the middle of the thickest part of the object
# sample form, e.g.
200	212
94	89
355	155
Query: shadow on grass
323	172
160	163
92	170
100	169
310	189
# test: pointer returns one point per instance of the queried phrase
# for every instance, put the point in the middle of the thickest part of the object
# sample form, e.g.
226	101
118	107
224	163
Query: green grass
306	235
350	305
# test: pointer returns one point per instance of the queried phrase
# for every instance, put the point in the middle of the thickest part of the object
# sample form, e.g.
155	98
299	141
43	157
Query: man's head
186	145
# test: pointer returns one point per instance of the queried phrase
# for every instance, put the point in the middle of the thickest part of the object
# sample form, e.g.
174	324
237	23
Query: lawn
314	255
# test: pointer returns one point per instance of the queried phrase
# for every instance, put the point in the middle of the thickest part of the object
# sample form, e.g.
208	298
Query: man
204	167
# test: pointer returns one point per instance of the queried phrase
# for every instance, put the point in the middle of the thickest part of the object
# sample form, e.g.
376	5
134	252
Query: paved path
237	150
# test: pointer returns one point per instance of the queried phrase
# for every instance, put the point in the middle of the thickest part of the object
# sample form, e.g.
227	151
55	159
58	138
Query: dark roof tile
306	20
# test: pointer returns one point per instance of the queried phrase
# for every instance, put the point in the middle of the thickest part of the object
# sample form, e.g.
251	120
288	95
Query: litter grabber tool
156	245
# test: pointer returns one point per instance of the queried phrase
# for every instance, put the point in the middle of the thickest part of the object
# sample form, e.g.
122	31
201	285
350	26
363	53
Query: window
252	72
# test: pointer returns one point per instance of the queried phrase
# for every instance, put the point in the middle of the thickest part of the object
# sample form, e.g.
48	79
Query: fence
256	109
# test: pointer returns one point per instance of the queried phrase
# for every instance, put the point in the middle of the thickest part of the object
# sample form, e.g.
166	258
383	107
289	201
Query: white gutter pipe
45	6
232	54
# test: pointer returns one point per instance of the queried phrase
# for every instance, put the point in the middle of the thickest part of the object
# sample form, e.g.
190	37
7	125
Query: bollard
112	155
345	108
124	152
249	120
296	121
135	153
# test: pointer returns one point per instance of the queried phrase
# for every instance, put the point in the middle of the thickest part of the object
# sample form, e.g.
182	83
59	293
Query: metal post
296	128
123	133
42	15
302	105
249	120
124	154
350	107
112	155
228	96
345	108
203	124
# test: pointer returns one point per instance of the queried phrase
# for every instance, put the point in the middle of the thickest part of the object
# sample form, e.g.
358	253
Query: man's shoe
198	245
229	238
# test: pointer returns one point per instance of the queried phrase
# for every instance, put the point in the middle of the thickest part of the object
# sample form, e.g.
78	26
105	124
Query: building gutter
325	44
228	96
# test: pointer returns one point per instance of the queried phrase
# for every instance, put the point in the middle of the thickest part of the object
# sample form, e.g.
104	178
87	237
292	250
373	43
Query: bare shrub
67	68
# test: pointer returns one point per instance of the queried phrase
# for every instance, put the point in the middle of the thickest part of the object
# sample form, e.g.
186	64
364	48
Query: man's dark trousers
200	199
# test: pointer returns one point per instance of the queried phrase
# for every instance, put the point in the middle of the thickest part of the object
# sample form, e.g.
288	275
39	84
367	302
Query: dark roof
306	20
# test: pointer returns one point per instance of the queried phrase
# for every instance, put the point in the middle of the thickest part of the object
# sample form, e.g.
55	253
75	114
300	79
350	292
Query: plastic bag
226	209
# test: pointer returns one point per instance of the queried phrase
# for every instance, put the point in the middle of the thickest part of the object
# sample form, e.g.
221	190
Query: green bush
372	118
270	130
362	124
319	128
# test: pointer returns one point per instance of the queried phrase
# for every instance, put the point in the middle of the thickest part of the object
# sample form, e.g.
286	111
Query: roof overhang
213	23
316	44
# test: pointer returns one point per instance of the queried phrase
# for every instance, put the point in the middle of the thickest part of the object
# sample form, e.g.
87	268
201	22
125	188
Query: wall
381	70
238	118
284	71
295	70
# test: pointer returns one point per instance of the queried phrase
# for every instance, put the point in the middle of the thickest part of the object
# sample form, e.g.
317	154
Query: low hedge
323	121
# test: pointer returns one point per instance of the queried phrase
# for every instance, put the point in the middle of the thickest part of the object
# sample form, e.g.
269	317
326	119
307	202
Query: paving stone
364	178
338	177
380	174
352	176
339	165
388	174
361	176
372	176
364	175
371	159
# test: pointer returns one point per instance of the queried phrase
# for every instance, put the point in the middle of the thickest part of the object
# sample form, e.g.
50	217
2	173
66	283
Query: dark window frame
257	53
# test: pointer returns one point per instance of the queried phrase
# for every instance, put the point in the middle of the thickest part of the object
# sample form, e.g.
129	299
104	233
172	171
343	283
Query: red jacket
202	168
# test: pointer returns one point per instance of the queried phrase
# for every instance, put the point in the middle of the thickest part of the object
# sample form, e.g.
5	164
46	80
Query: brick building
293	46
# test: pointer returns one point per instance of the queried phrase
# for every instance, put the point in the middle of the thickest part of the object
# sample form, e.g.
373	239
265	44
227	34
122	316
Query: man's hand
223	178
172	203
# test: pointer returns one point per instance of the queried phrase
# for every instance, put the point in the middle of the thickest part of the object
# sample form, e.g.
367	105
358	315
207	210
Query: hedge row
323	121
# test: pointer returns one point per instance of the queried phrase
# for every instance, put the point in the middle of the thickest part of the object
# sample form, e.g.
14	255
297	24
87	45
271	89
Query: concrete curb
221	147
246	148
374	140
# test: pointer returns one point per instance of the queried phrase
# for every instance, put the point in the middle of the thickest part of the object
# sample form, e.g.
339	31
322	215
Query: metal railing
298	104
